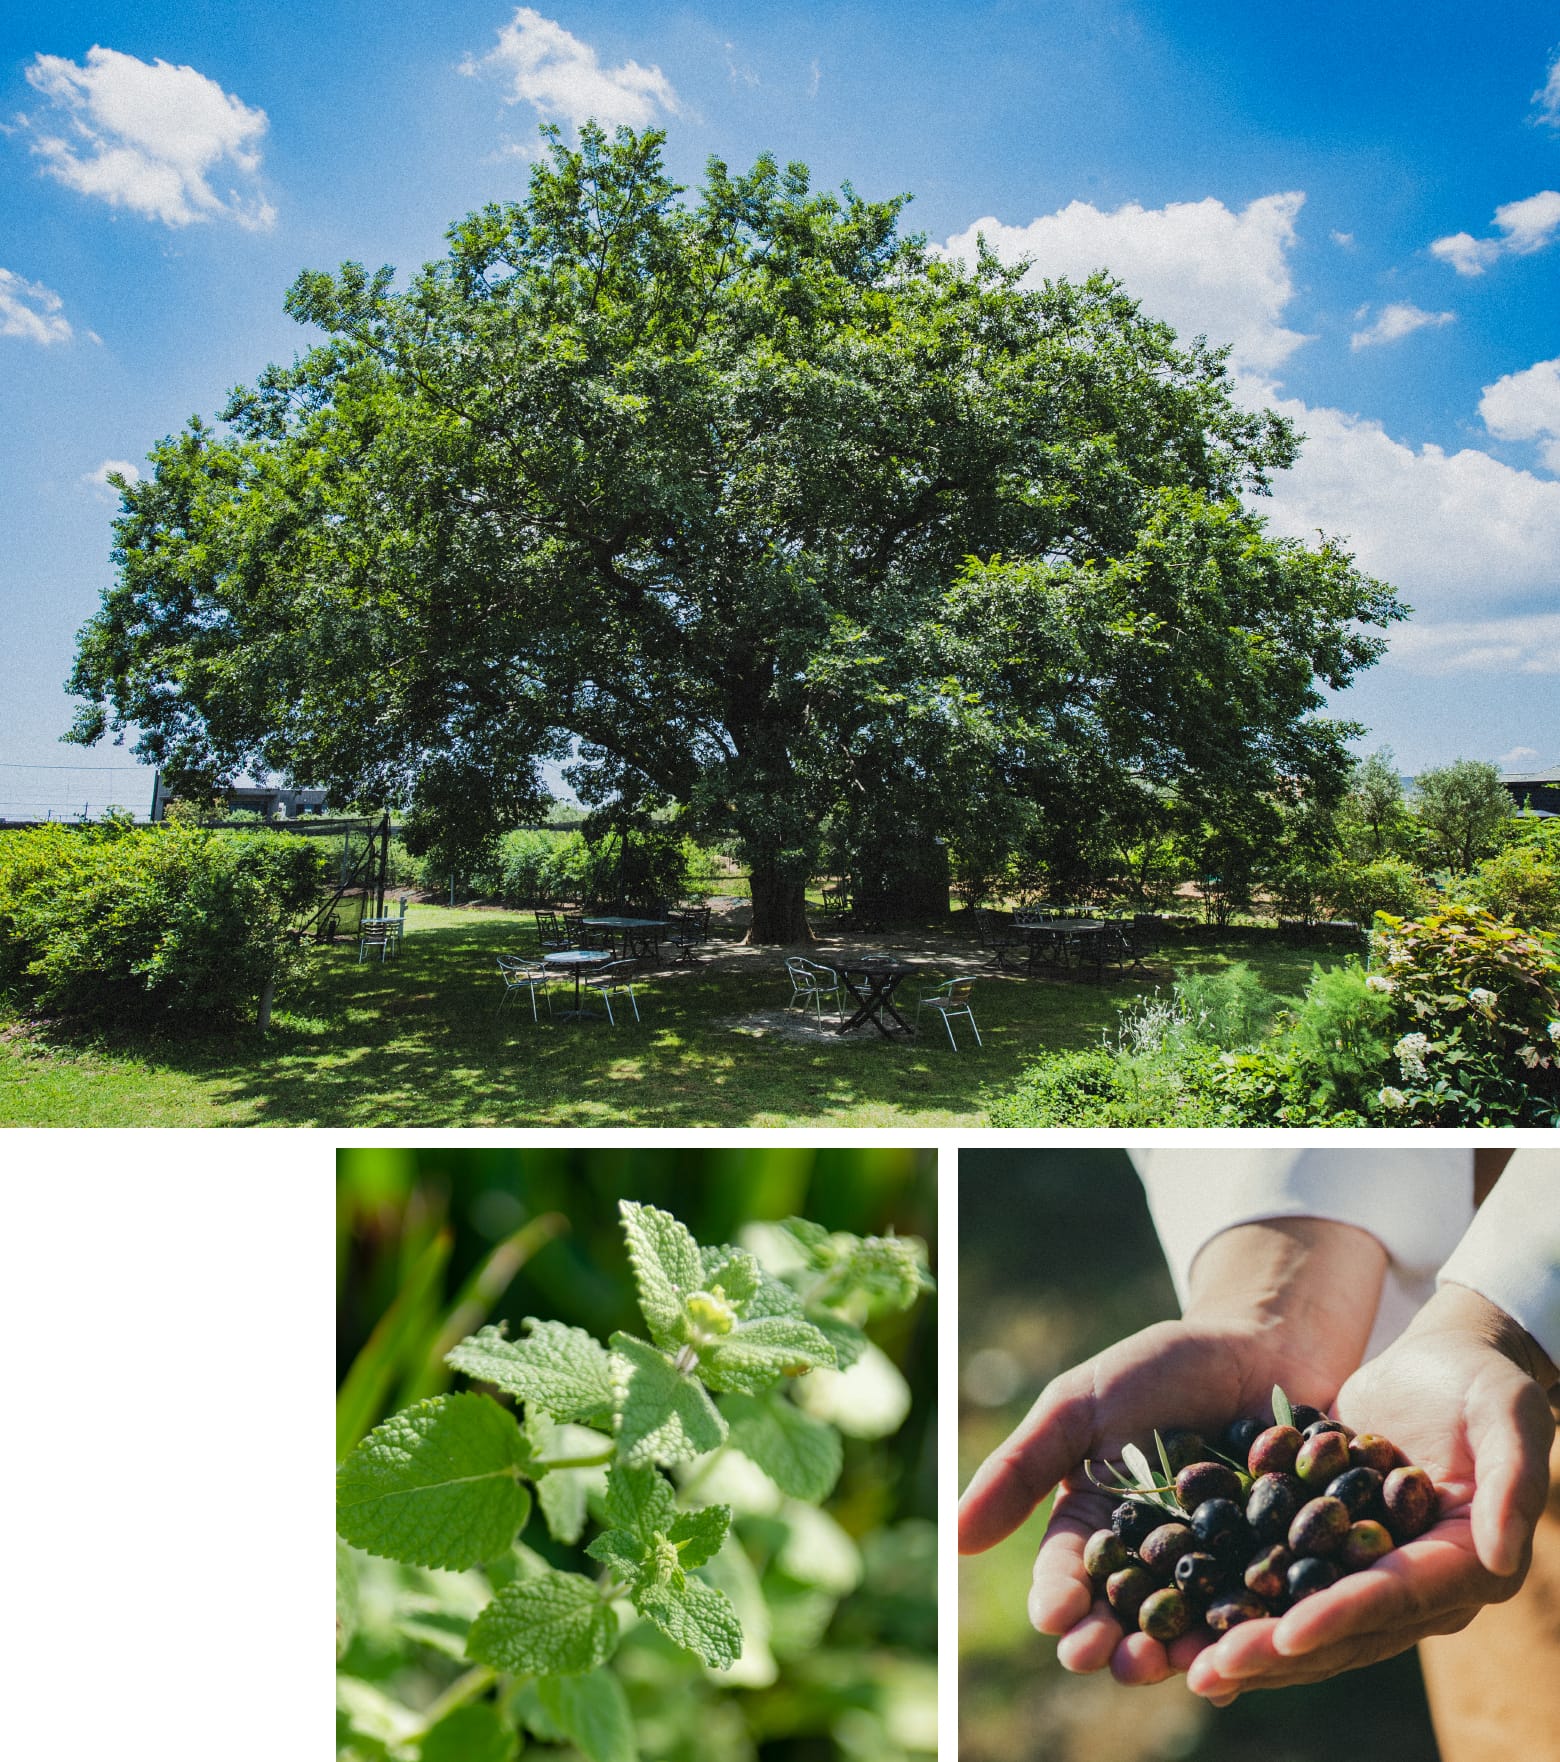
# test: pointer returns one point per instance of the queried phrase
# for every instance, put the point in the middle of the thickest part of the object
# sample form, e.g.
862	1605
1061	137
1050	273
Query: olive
1103	1554
1165	1615
1358	1488
1273	1451
1164	1546
1367	1450
1133	1519
1328	1425
1411	1501
1306	1577
1205	1480
1319	1527
1322	1458
1304	1416
1220	1524
1364	1545
1183	1448
1271	1506
1265	1574
1126	1590
1200	1576
1238	1438
1231	1610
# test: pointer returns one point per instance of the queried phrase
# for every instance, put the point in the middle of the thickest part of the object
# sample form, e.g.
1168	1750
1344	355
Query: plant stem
463	1689
596	1461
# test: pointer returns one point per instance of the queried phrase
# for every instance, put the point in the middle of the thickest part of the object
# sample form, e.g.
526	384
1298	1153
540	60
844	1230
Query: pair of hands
1458	1392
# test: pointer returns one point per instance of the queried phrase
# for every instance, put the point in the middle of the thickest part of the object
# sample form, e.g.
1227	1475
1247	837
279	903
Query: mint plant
563	1435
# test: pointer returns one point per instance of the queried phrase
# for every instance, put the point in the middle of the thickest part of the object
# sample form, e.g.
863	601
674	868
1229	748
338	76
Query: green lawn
418	1042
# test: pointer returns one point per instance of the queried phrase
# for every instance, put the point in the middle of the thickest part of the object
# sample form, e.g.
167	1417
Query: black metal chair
995	933
690	931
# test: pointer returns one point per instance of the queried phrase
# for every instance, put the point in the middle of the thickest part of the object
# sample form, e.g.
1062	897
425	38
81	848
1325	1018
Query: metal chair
997	935
523	975
614	976
950	999
811	982
690	930
550	932
377	935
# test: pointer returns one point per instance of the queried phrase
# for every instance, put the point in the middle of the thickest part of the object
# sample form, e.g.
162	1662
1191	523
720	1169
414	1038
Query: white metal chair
376	934
950	999
522	975
811	982
614	976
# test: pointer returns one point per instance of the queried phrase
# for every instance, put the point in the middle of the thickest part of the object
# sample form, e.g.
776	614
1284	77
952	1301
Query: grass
417	1042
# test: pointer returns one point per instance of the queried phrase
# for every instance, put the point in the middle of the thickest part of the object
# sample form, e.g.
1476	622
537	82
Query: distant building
271	803
1539	790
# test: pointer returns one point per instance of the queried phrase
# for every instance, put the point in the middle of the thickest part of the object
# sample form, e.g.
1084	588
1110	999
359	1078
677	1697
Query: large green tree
687	493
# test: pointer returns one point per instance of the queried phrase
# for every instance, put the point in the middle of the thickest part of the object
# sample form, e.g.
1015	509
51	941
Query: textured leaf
346	1597
667	1267
800	1455
756	1354
732	1574
478	1733
696	1616
623	1552
664	1416
592	1713
848	1341
562	1369
436	1485
563	1493
640	1501
700	1534
551	1624
734	1270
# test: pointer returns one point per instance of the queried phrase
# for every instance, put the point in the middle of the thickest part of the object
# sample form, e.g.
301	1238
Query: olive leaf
1164	1457
1138	1463
1283	1413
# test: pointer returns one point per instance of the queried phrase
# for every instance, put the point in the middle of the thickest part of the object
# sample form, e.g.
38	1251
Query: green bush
177	923
1330	1055
1520	883
1386	884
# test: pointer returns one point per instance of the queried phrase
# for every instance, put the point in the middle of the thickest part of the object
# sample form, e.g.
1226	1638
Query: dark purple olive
1358	1488
1319	1527
1309	1576
1238	1438
1164	1546
1304	1416
1364	1545
1133	1519
1368	1450
1328	1425
1200	1576
1266	1574
1126	1591
1103	1554
1165	1615
1273	1451
1231	1610
1271	1506
1220	1525
1205	1480
1322	1458
1411	1501
1183	1448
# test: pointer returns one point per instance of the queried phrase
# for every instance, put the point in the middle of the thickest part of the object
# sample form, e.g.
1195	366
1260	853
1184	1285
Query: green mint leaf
623	1552
664	1415
561	1369
1283	1413
801	1455
346	1597
699	1535
478	1733
436	1485
734	1270
563	1493
550	1624
813	1238
755	1354
847	1340
667	1268
640	1501
591	1712
696	1616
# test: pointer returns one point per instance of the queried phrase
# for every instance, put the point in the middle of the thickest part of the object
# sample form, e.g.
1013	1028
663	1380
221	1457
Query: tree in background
1374	819
1463	808
684	494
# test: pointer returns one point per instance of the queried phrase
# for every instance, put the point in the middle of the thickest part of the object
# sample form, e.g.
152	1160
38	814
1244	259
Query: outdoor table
1057	934
881	977
579	959
632	930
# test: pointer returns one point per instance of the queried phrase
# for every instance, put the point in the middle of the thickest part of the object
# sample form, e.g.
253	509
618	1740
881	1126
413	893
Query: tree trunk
267	998
779	906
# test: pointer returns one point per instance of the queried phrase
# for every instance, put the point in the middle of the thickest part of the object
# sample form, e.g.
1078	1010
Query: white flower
1410	1053
1554	1032
1379	982
1392	1098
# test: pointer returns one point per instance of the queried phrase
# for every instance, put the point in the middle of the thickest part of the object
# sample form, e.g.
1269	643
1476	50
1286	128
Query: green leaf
623	1552
667	1267
592	1713
346	1597
563	1493
801	1455
640	1501
1283	1413
550	1624
436	1485
397	1337
561	1369
734	1270
478	1733
1164	1456
848	1341
699	1535
696	1616
664	1416
756	1354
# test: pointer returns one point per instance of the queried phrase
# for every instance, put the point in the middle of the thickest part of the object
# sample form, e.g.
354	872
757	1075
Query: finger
1510	1428
1273	1671
1138	1661
1053	1437
1061	1591
1089	1645
1436	1571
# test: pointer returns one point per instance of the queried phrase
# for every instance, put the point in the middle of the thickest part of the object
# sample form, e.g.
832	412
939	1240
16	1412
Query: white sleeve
1417	1202
1511	1251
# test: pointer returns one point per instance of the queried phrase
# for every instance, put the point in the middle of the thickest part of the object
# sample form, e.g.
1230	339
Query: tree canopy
749	503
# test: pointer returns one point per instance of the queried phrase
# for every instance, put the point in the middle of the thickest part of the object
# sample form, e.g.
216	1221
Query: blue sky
1363	202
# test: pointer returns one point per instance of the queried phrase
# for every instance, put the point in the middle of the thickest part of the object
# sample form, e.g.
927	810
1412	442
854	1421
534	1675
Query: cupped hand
1172	1374
1480	1424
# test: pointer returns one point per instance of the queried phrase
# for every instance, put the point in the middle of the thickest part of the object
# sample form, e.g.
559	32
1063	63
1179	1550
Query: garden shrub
177	923
1386	884
1520	883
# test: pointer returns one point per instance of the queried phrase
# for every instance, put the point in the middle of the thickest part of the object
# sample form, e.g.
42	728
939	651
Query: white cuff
1511	1251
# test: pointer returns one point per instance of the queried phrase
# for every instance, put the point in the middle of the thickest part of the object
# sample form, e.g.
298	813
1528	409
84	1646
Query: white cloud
1203	267
1395	322
814	77
1515	644
30	310
1526	406
1343	240
1547	98
561	77
99	478
1517	756
148	136
1527	226
739	73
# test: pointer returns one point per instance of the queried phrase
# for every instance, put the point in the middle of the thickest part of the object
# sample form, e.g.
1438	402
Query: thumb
1052	1439
1510	1429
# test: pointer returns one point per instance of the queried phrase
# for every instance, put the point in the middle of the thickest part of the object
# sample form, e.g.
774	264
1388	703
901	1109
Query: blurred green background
1057	1259
432	1244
